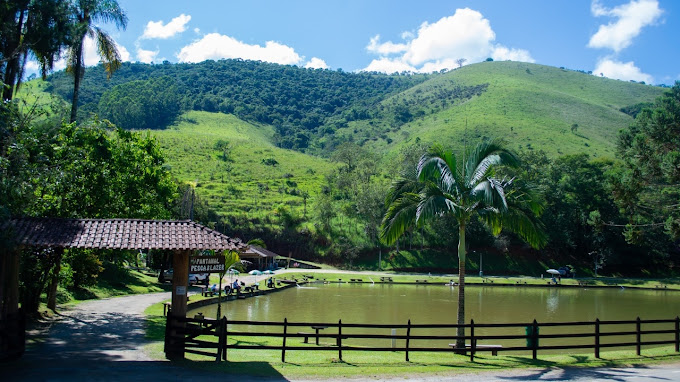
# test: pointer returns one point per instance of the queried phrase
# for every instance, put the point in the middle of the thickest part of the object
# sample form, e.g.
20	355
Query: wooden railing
598	334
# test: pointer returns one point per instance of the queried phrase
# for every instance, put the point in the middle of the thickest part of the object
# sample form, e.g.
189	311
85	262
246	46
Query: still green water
436	304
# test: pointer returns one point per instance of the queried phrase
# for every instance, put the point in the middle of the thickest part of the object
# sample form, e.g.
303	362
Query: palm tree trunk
77	75
460	331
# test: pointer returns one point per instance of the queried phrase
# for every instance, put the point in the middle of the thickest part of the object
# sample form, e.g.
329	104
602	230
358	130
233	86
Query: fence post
340	339
283	348
226	329
219	330
534	336
408	339
597	338
473	342
677	334
637	335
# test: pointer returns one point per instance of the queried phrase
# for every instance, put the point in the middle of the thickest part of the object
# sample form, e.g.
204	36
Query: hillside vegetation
534	107
302	158
236	169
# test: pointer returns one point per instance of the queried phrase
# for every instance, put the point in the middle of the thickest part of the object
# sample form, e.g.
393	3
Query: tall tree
36	27
464	189
86	13
648	186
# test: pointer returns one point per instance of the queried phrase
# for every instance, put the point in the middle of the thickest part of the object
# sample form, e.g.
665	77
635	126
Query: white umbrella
268	272
553	271
255	272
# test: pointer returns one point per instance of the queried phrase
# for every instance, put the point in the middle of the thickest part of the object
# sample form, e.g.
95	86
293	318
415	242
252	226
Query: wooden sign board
207	264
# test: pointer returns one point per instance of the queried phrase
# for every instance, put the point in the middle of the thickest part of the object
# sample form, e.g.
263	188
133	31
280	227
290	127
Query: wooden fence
182	334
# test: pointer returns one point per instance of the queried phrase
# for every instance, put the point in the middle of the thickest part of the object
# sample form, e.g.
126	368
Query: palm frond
434	202
485	155
407	183
492	193
440	166
106	47
400	216
107	11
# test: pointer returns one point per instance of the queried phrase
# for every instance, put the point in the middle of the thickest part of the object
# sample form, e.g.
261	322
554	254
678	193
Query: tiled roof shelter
182	237
119	234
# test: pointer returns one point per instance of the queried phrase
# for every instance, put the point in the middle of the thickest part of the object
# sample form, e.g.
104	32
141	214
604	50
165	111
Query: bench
386	279
356	280
492	348
207	293
421	281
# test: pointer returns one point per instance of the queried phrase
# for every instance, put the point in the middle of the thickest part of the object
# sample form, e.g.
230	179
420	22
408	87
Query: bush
85	266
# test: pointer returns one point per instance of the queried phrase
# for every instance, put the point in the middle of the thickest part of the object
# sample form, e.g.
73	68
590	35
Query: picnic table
316	328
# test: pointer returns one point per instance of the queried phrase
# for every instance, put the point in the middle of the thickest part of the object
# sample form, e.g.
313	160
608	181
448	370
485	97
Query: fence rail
182	335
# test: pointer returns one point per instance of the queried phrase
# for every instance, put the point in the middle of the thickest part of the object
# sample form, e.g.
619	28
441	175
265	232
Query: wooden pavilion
260	257
181	237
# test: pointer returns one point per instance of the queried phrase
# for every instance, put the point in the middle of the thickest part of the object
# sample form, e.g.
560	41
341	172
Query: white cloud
156	29
146	56
91	55
386	65
501	53
630	19
316	63
374	46
465	34
436	46
215	46
621	71
32	66
197	30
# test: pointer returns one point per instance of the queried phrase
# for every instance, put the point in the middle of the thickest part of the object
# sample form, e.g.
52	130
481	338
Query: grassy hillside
244	182
532	106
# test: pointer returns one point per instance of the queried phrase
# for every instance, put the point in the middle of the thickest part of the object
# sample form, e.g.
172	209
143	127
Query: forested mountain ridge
532	106
296	101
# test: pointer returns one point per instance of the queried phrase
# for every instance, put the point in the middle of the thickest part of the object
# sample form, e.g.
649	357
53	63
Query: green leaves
446	186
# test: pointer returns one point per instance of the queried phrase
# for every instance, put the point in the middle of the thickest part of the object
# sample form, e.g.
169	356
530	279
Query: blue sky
623	39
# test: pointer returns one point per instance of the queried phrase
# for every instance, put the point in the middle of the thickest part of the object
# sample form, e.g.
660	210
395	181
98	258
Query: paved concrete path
103	340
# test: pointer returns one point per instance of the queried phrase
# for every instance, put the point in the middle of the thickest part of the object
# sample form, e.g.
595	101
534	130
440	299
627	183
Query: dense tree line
94	170
296	101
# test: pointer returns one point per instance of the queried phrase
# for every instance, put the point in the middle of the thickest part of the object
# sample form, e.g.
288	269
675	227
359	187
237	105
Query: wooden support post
180	279
226	334
597	338
534	335
283	348
408	339
11	346
473	342
340	339
677	334
637	336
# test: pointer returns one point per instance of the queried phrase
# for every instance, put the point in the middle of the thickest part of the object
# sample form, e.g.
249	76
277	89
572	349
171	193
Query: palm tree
441	185
85	14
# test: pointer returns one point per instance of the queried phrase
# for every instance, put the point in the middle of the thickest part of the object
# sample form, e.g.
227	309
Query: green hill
254	177
532	106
